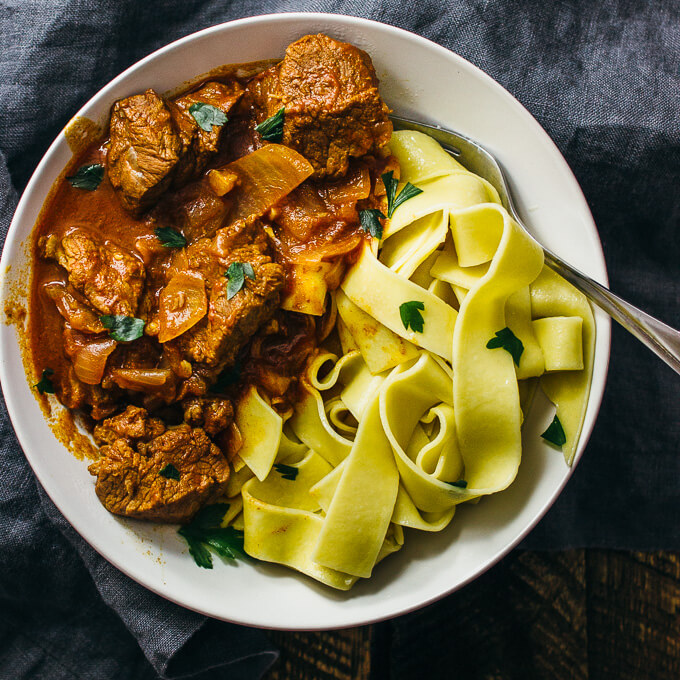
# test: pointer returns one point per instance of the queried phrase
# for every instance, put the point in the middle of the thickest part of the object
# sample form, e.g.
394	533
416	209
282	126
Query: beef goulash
171	269
292	330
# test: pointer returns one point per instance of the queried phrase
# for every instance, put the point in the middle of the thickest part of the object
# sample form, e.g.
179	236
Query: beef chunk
109	277
333	108
144	150
76	395
195	211
198	145
213	414
216	339
129	481
134	425
155	144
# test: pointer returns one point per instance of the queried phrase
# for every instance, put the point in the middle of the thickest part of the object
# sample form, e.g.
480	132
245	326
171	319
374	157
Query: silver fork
663	340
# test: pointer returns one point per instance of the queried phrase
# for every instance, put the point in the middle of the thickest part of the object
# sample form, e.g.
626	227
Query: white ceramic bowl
419	79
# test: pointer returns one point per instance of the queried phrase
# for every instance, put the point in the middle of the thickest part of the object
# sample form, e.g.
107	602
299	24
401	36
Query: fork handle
663	340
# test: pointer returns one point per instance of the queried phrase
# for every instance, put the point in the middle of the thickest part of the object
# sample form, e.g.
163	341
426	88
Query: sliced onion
234	441
355	186
181	305
265	177
324	247
304	212
90	360
79	316
140	379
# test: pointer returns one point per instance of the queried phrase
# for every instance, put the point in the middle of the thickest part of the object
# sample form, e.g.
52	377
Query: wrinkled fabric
601	77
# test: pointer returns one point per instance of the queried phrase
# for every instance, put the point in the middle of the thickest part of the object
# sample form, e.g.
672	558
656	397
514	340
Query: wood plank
340	654
633	615
593	615
525	618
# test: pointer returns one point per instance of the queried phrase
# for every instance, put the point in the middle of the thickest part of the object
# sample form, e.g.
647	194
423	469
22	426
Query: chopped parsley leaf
286	471
170	471
204	531
236	274
170	237
507	340
411	316
555	433
272	128
370	222
87	177
394	201
45	385
207	115
123	328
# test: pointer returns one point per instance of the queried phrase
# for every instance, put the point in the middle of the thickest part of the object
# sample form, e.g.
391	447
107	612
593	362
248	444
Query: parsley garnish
207	115
460	484
236	274
228	377
170	471
287	471
87	177
204	531
272	128
170	237
509	342
123	328
555	433
411	316
394	201
370	222
44	385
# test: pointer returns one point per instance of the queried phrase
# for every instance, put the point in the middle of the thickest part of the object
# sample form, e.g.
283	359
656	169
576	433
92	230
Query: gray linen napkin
602	78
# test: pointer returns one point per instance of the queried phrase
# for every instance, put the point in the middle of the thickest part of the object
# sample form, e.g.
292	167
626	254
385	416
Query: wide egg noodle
439	424
275	532
407	396
453	192
551	296
561	338
306	288
518	320
420	157
260	427
440	456
380	292
403	252
338	416
485	393
358	517
380	348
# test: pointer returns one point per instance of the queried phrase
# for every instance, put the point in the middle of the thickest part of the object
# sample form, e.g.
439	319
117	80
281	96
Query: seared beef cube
216	339
76	395
213	414
195	211
144	150
134	424
110	277
198	145
333	110
129	480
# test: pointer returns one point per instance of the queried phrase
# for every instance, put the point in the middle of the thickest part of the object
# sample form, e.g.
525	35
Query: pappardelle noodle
402	426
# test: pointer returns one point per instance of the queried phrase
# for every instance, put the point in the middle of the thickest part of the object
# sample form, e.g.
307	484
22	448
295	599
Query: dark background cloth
601	77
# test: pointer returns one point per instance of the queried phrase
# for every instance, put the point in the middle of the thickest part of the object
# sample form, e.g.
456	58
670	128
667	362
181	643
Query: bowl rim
603	324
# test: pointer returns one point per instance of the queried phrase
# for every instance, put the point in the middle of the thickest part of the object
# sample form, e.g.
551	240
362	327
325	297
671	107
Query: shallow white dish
419	79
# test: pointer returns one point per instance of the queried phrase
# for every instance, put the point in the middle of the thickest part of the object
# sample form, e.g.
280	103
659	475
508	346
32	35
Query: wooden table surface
579	614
